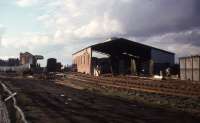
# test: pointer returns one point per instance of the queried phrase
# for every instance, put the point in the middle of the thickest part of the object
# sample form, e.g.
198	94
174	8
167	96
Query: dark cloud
189	37
166	24
156	17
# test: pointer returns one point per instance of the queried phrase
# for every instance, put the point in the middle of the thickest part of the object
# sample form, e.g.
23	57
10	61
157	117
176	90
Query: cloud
100	27
26	3
182	43
80	19
35	43
2	30
148	18
122	17
165	24
27	40
191	37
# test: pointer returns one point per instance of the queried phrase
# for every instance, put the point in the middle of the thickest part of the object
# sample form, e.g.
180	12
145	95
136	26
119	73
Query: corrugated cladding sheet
196	62
189	74
196	75
189	63
183	74
190	68
196	69
183	69
182	64
159	56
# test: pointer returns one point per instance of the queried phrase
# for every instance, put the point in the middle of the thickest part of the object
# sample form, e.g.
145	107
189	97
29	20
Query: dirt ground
50	102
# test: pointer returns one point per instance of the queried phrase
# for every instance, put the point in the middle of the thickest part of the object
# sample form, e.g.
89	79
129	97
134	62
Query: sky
58	28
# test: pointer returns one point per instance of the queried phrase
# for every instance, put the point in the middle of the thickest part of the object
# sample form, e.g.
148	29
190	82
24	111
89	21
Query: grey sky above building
59	28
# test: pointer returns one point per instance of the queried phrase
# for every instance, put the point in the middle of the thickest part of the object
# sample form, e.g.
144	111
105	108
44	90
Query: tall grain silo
51	65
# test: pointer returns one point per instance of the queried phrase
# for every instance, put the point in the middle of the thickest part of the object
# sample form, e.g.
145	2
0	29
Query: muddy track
45	101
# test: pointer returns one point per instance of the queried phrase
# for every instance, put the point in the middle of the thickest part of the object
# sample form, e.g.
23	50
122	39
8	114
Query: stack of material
4	118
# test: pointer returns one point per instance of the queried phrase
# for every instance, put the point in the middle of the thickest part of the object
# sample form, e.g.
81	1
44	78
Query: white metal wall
15	68
190	68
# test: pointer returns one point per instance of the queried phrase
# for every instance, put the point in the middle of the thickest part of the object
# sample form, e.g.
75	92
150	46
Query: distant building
12	65
53	65
10	62
58	66
190	68
26	62
28	58
13	62
122	56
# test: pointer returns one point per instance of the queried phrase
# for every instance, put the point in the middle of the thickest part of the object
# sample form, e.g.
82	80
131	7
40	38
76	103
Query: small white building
190	68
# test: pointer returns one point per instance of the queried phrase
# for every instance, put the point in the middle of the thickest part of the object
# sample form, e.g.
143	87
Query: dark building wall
51	65
121	53
161	60
159	56
9	62
58	66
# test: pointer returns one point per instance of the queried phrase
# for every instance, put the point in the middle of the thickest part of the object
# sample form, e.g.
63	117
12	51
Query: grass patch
185	104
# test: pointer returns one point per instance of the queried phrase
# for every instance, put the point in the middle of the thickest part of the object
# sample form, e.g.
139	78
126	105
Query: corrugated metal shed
122	52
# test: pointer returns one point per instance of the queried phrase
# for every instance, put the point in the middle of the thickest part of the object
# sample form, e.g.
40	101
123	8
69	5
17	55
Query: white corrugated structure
20	68
190	68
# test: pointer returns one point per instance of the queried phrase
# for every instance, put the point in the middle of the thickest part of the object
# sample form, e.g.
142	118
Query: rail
159	87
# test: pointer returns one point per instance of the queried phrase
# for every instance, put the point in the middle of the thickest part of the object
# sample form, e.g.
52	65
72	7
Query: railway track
183	89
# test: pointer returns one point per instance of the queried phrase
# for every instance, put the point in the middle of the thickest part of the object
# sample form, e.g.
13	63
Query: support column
151	67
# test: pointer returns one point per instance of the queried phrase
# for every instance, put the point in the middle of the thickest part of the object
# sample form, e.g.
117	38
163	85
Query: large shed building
122	56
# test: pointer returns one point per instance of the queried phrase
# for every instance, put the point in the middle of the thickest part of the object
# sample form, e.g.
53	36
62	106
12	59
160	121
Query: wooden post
4	118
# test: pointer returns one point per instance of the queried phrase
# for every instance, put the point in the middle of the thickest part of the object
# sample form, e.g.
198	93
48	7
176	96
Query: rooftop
120	43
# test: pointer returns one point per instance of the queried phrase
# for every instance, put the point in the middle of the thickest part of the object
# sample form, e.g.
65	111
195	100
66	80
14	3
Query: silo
190	68
51	65
182	68
196	68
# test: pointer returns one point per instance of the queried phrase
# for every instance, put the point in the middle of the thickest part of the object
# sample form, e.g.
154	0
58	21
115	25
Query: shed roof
121	45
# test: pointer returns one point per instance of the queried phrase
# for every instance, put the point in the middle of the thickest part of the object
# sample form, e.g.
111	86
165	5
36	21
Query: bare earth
49	102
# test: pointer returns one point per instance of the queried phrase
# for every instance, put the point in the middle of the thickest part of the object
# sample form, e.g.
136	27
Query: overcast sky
57	28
